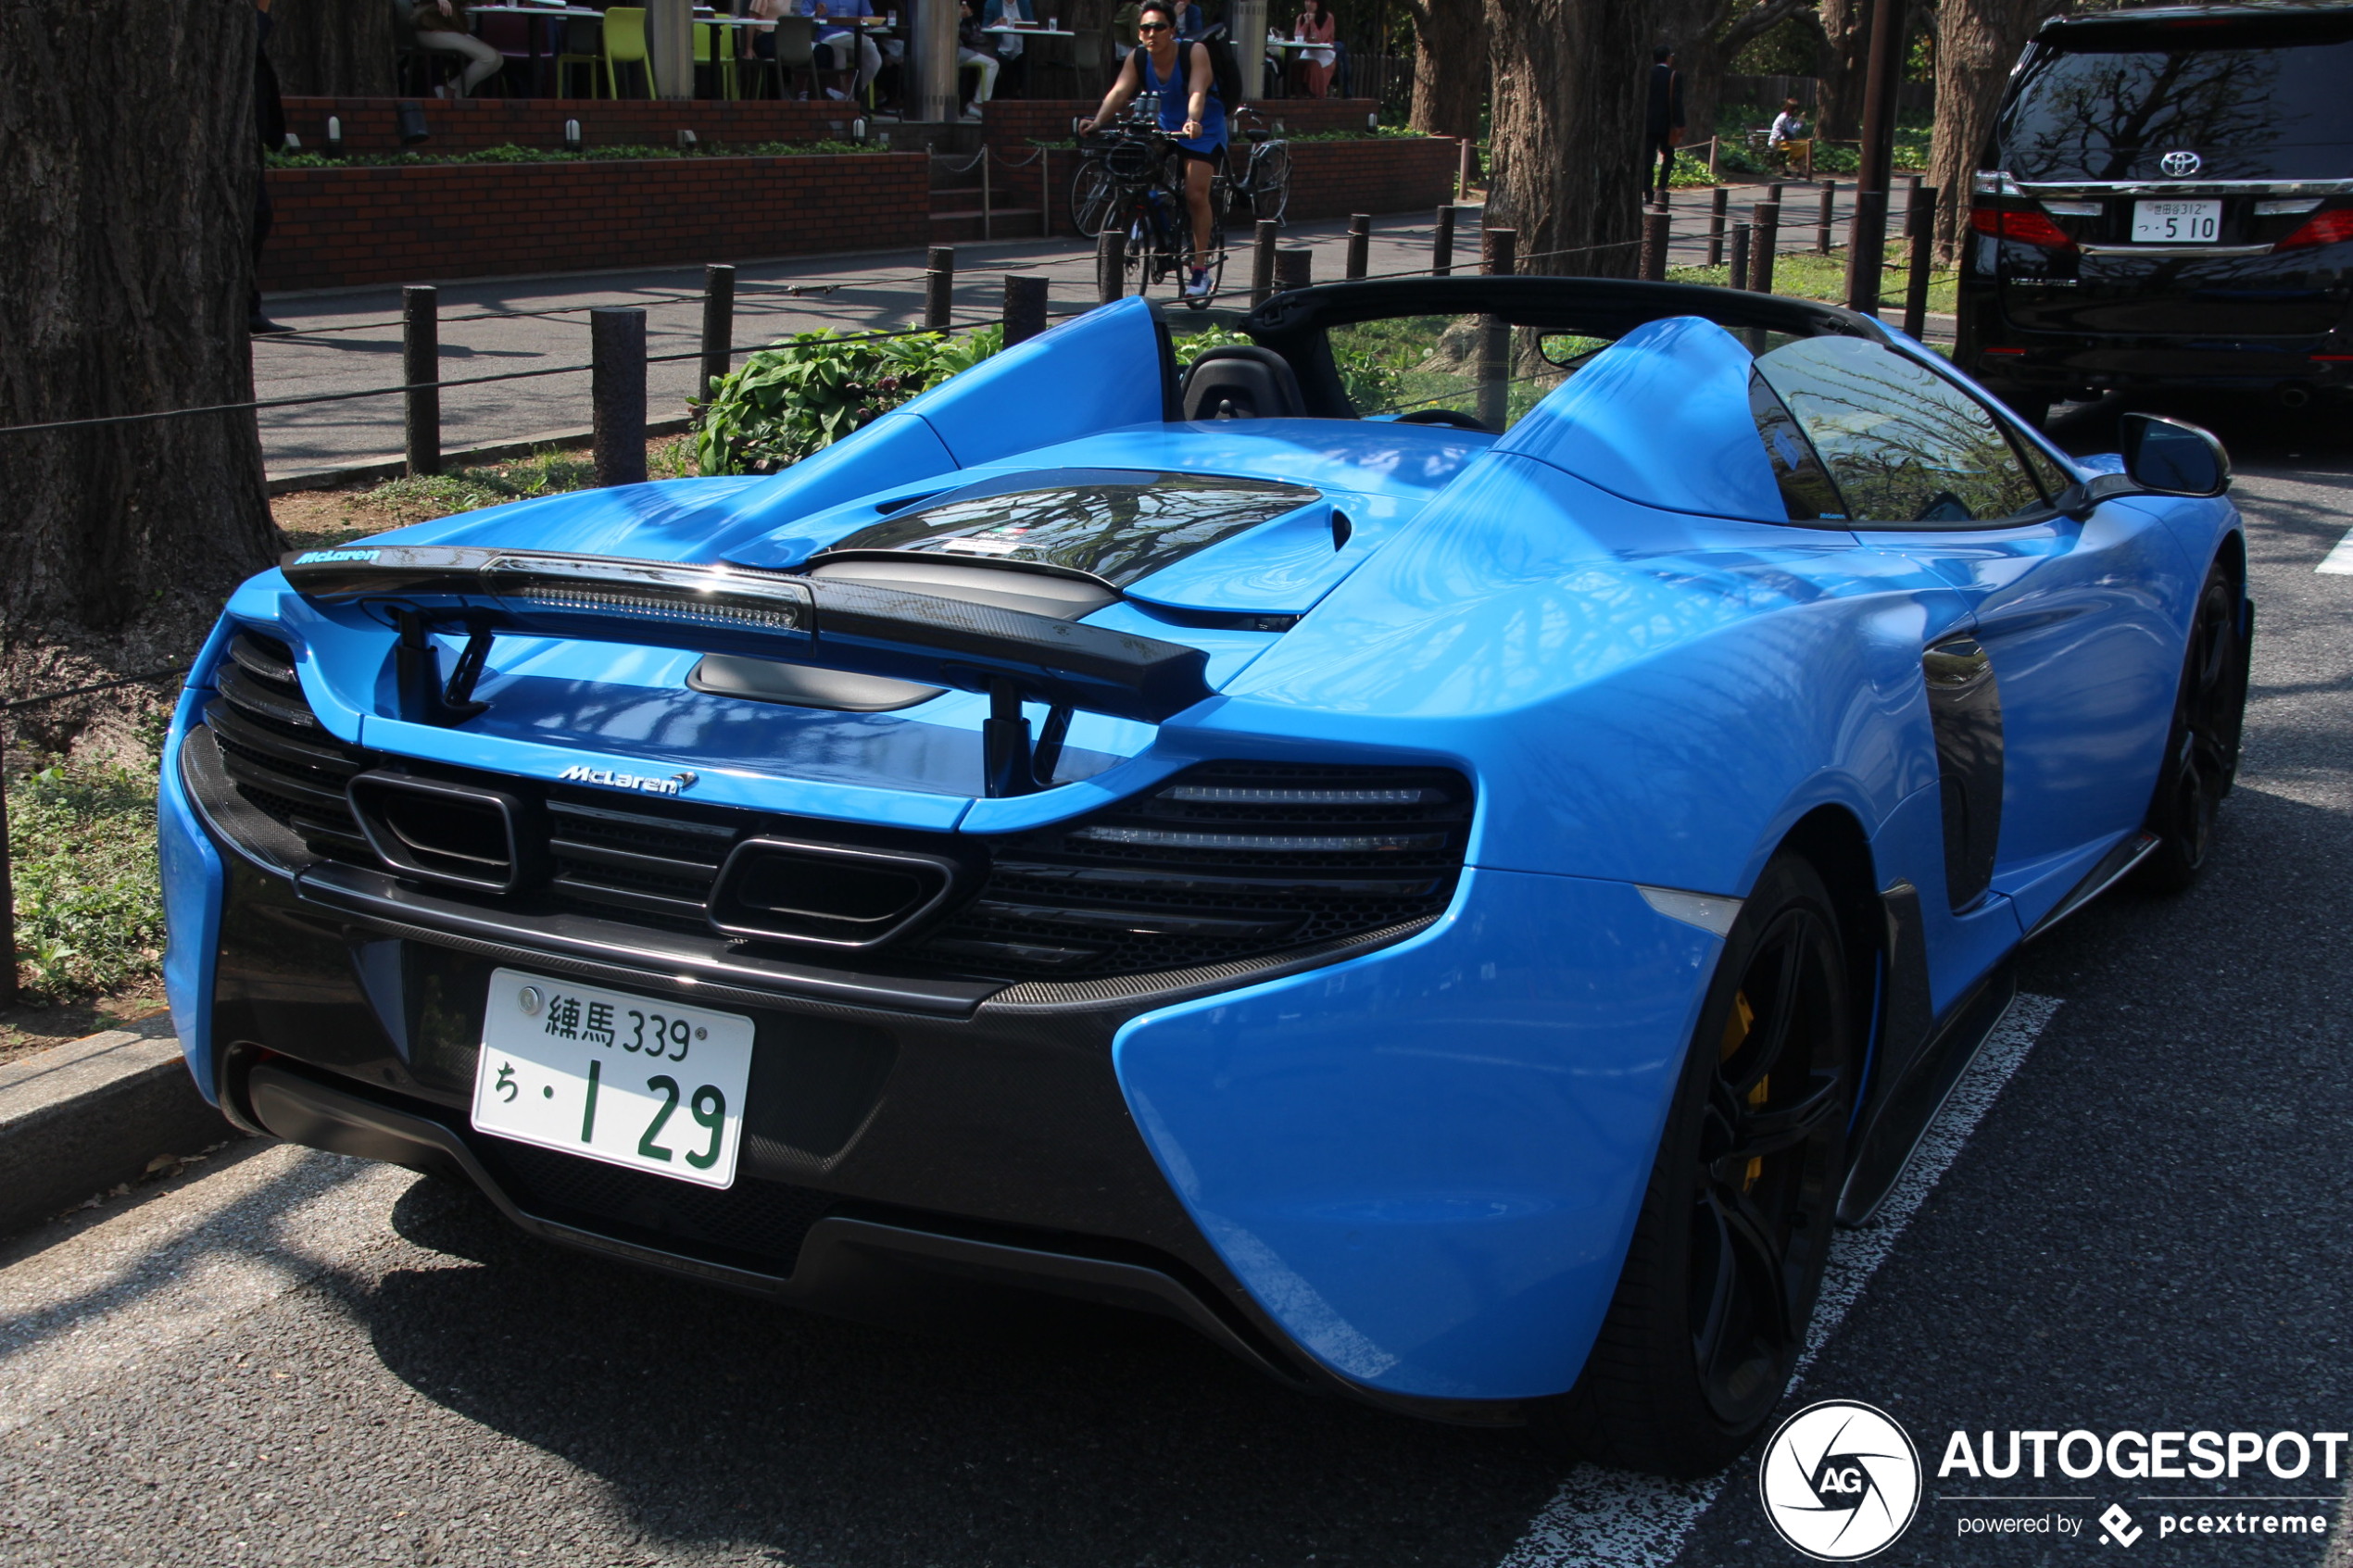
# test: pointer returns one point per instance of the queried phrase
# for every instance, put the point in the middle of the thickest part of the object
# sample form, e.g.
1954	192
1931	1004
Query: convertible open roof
1293	324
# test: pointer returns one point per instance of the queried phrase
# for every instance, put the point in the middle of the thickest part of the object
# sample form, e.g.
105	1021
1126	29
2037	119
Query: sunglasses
1152	27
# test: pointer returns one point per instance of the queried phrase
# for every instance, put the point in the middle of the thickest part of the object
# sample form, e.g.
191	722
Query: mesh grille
1227	860
753	1224
277	754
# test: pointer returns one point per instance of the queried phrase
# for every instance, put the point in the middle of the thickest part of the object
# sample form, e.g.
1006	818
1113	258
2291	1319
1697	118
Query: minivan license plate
2180	223
628	1080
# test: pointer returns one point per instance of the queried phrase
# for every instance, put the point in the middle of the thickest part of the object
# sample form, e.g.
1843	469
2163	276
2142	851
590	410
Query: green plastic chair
626	44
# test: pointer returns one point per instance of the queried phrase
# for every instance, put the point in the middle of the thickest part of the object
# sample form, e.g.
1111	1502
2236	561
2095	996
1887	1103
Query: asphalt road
348	340
2136	1220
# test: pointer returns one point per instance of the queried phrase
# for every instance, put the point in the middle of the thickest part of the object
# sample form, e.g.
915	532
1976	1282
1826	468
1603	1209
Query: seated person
976	50
838	47
1011	51
1788	125
443	25
1313	68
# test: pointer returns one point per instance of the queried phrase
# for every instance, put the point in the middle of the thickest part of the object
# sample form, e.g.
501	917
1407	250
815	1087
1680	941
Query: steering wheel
1453	417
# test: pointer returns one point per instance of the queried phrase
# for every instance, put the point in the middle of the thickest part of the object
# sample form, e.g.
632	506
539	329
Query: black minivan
2167	201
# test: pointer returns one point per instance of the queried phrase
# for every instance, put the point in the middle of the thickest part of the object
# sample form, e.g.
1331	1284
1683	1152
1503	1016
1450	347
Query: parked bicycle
1263	185
1129	181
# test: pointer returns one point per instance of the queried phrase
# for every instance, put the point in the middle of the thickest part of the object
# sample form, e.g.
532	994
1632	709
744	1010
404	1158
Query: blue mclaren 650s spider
1447	846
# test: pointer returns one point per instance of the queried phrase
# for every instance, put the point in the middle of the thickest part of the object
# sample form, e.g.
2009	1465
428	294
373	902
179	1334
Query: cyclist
1184	84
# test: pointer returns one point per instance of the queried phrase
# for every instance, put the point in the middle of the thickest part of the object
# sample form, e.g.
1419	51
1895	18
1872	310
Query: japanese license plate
628	1080
2180	223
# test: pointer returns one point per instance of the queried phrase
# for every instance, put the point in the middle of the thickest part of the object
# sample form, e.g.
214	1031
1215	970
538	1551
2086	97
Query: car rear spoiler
719	609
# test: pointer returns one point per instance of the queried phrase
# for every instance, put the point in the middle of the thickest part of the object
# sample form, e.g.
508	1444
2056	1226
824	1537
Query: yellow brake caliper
1736	1030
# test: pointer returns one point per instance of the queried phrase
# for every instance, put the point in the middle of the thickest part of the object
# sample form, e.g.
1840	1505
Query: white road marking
1618	1519
2340	560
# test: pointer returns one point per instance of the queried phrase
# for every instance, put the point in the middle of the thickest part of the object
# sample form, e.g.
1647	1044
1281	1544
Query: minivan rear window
2255	100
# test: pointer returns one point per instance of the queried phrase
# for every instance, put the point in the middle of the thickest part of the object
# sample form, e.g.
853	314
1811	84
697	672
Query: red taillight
2320	229
2027	228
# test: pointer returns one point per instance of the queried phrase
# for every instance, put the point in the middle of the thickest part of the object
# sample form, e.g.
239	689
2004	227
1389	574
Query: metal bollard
939	286
1293	269
1360	243
1920	217
1658	232
1441	245
1822	222
421	372
718	327
1025	307
1867	252
1738	278
1717	207
617	393
1111	249
1262	262
1761	254
1499	250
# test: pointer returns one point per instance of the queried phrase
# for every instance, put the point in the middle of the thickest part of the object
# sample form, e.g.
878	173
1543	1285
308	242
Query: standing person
1662	122
1010	50
1315	24
442	24
1184	84
270	123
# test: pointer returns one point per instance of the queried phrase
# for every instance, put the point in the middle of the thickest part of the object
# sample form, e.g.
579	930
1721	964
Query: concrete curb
84	1117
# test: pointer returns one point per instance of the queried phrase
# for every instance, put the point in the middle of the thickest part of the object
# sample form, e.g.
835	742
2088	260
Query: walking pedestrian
1663	121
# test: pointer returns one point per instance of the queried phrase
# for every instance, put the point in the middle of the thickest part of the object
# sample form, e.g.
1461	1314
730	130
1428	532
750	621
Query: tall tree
333	48
1450	66
128	210
1977	43
1571	77
1846	31
1705	35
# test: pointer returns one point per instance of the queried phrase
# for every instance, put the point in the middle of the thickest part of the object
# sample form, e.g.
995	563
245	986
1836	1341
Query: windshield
1405	364
2262	100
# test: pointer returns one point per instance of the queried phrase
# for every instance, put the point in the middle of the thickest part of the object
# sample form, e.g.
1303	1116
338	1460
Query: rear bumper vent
459	834
833	894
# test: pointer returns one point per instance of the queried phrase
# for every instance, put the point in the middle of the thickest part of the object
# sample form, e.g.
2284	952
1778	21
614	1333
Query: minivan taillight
2027	227
2320	229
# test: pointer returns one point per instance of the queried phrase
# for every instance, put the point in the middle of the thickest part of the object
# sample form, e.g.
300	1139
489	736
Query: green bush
804	393
509	153
81	841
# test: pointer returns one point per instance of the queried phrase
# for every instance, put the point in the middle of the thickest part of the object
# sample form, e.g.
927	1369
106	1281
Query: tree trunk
128	208
1450	66
1570	82
1846	31
1977	43
333	48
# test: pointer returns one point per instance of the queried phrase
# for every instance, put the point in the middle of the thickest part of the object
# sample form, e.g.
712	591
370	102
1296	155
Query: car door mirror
2173	457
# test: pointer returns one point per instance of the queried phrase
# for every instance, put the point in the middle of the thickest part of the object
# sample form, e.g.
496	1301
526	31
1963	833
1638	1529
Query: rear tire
1712	1306
2202	748
1270	186
1093	196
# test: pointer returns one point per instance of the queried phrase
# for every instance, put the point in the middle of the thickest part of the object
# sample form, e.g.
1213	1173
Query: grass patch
1804	274
552	472
81	843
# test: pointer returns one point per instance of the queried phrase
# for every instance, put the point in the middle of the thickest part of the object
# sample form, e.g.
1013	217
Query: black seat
1241	383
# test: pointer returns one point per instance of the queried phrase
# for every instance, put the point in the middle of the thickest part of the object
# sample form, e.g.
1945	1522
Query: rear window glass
1120	525
2107	102
1901	443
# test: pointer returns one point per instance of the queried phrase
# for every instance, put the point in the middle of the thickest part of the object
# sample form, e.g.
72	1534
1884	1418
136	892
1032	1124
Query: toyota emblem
2180	165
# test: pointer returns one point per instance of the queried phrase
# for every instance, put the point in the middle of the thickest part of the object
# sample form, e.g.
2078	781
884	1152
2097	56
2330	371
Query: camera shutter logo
1840	1480
2181	165
2117	1525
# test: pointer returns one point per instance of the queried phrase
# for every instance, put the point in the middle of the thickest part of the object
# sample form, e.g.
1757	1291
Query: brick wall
1378	174
337	227
469	124
1013	122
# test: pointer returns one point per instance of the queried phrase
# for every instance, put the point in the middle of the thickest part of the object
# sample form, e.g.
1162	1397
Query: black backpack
1224	70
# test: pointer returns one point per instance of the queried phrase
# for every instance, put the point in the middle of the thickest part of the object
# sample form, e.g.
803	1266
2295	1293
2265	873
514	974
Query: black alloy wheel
1712	1307
2202	749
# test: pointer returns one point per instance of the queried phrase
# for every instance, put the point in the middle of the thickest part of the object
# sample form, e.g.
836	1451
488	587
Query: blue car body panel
1422	1162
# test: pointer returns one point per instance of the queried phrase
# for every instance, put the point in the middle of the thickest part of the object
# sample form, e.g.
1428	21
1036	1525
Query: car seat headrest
1241	383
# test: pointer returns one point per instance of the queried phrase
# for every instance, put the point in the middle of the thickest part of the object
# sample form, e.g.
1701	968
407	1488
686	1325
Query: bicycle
1265	181
1138	191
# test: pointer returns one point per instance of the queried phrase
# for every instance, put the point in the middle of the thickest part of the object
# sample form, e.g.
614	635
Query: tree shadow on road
1059	1434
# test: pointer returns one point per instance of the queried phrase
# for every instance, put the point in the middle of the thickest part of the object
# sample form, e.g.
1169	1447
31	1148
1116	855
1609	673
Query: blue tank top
1173	97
